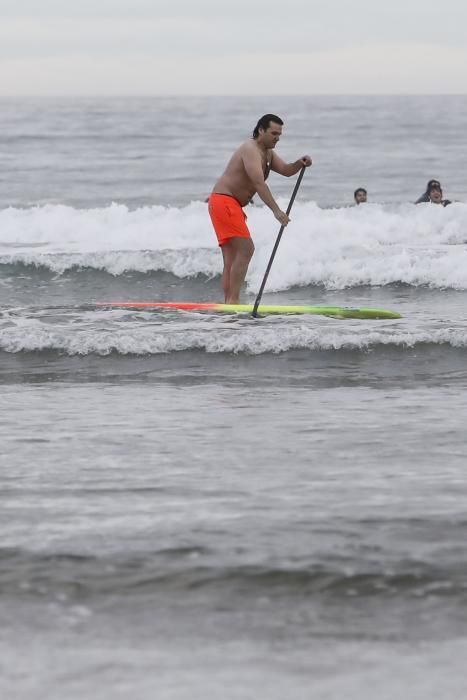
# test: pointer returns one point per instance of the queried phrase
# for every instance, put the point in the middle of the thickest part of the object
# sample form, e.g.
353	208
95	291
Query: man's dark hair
359	189
432	184
264	123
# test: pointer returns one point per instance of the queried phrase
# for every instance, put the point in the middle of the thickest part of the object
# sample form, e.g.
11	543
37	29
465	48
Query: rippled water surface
207	505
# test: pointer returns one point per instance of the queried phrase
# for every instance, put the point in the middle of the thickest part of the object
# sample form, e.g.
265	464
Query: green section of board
333	311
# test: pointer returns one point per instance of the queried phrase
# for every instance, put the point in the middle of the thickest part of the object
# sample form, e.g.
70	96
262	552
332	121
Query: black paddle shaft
276	245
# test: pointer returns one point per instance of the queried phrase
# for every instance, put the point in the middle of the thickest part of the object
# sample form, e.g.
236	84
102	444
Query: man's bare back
235	180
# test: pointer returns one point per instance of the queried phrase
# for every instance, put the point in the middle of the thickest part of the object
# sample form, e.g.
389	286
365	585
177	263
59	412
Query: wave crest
337	248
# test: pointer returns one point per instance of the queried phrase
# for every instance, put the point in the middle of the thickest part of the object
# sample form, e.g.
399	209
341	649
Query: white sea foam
252	339
337	248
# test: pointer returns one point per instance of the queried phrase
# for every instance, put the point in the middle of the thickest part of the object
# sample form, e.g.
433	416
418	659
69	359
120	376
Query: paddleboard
263	309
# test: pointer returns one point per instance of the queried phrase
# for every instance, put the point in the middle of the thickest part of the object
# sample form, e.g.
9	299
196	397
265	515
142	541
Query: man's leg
228	256
239	252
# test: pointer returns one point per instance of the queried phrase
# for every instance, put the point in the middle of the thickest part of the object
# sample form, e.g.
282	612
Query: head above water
435	194
265	123
360	195
432	183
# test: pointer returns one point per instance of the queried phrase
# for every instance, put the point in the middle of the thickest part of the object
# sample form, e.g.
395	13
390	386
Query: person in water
425	197
360	195
245	175
436	196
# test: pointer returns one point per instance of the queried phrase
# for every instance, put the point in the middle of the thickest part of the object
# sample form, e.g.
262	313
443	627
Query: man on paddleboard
245	175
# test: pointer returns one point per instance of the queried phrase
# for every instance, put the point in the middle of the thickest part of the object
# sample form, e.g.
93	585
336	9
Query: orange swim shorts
228	217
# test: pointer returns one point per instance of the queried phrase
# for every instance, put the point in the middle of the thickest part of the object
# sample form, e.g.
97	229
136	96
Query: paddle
276	245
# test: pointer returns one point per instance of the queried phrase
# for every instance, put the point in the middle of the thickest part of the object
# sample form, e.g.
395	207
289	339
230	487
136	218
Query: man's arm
288	169
253	167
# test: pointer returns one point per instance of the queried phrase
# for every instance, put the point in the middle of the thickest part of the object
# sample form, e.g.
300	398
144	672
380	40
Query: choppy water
211	506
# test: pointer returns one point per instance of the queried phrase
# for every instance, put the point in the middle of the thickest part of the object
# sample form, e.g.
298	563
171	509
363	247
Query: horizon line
229	96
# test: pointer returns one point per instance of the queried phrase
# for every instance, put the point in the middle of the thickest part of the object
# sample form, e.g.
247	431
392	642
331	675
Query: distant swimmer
245	175
436	196
360	195
425	197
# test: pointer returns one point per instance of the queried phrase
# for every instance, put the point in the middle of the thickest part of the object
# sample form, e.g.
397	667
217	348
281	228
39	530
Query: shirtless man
244	176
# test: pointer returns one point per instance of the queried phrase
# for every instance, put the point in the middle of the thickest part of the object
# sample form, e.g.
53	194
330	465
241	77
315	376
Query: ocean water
206	506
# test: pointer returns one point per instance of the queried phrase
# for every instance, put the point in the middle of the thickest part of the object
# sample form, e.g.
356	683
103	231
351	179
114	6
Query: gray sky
232	47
